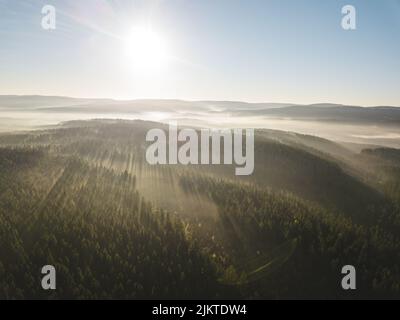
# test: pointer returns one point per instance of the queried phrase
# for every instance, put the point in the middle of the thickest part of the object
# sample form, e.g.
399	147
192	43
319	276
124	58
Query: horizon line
196	100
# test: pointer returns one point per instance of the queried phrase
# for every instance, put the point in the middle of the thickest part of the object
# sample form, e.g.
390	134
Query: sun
146	49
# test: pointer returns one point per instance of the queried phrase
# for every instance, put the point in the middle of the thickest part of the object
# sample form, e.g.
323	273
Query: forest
81	196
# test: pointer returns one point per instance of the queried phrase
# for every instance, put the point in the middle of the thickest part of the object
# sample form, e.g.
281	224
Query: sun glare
146	49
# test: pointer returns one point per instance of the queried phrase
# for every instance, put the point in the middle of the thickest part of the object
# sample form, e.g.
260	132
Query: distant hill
373	126
194	109
336	113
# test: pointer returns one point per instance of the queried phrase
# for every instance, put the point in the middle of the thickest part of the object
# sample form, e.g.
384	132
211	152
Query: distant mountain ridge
342	113
39	101
53	109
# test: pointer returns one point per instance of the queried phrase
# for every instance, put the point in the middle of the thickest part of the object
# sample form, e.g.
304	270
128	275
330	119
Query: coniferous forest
81	197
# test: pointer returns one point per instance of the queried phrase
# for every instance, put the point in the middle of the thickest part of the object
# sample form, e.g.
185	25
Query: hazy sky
266	50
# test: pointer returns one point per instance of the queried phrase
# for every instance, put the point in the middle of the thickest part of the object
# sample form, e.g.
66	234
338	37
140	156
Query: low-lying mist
371	126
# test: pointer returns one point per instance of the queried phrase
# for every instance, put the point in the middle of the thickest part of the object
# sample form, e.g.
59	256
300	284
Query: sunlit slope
103	238
106	241
82	196
313	168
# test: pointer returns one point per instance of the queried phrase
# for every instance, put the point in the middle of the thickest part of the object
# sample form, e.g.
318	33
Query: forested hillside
82	198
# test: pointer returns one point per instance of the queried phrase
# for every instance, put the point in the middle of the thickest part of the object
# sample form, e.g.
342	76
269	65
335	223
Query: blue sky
252	50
